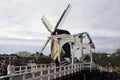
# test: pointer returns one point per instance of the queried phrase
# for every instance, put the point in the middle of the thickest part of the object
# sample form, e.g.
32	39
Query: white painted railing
48	72
91	66
31	68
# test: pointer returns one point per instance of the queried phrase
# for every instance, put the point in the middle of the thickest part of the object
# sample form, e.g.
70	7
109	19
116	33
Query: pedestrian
10	68
4	68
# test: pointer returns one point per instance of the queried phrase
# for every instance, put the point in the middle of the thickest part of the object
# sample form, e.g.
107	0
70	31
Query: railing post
11	77
84	76
31	68
101	68
55	72
80	67
60	71
45	66
72	68
20	70
48	73
41	73
90	66
25	68
41	67
33	75
75	68
23	77
68	70
64	70
36	68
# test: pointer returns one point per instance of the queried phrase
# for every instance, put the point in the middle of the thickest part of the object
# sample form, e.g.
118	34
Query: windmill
63	44
56	31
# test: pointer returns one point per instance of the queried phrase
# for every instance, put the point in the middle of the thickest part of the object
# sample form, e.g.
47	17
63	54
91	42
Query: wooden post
48	73
60	71
23	77
41	73
25	68
55	72
64	70
20	70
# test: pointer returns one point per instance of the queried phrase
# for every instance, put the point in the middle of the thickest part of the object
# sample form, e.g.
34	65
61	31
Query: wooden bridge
78	71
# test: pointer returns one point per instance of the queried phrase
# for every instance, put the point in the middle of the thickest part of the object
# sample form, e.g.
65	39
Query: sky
21	28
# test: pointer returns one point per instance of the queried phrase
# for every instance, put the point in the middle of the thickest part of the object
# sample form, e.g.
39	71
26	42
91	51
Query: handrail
53	70
22	69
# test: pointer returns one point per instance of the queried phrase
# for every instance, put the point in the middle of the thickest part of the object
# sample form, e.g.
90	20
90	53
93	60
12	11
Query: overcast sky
21	28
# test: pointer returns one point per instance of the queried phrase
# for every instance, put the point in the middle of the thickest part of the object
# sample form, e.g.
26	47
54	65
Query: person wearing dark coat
4	68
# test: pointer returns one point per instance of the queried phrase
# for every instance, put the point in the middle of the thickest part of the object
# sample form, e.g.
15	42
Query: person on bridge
10	68
4	68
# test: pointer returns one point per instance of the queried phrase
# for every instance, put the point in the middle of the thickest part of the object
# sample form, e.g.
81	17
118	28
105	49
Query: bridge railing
47	74
92	66
31	68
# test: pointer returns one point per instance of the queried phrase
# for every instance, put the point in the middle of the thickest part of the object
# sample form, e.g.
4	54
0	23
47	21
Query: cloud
99	19
16	48
13	45
20	21
106	44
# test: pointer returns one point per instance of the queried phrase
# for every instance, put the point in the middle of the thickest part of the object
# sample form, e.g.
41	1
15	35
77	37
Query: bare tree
24	54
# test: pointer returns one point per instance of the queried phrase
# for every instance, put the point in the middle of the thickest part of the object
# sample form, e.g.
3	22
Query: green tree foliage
104	59
19	62
101	59
44	60
118	51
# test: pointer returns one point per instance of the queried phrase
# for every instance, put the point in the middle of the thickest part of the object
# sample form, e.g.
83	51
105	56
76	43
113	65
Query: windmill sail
47	23
63	17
